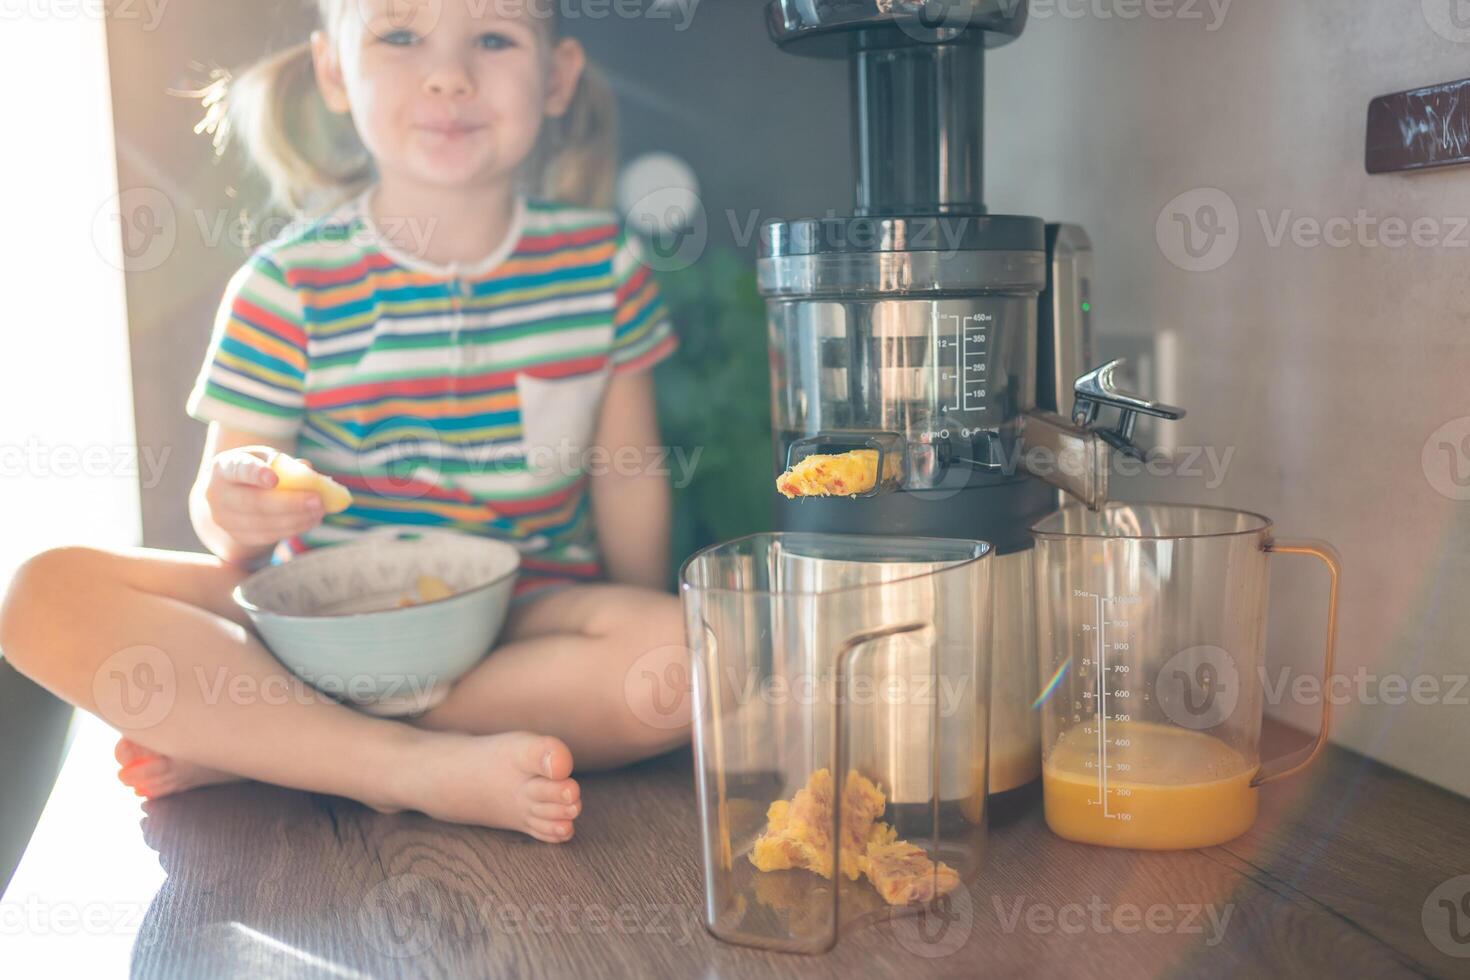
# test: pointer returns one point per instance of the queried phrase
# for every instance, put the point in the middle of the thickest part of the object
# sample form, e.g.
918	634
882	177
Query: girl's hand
244	502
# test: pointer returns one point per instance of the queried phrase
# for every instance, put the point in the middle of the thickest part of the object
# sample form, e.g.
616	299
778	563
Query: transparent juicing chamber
950	375
1151	622
841	689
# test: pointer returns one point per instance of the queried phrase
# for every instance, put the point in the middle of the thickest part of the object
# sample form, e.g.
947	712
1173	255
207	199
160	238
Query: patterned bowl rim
419	537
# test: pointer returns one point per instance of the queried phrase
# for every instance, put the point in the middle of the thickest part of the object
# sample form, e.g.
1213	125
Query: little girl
445	342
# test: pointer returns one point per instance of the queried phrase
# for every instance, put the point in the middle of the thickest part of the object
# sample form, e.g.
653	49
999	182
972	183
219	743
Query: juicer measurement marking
972	346
970	335
1102	712
1099	626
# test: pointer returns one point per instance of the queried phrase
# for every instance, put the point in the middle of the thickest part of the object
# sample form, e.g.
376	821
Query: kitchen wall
1337	374
1332	375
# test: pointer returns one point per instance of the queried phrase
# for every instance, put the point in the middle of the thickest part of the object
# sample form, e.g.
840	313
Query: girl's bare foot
153	776
513	781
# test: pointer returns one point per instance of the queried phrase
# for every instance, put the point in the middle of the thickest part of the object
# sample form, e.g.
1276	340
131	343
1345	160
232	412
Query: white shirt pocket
559	419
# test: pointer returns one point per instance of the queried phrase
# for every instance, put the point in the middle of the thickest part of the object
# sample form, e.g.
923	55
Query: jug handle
1325	553
845	656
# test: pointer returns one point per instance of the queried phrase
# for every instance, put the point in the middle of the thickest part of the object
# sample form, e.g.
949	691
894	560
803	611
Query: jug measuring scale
948	338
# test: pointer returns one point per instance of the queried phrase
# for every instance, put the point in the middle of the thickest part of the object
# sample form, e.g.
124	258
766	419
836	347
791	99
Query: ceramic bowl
333	615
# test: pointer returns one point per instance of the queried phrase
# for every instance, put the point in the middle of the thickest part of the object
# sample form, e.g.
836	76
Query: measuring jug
1151	621
844	678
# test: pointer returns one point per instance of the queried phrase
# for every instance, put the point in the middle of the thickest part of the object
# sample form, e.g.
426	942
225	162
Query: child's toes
556	811
551	831
539	755
127	752
555	759
564	791
143	771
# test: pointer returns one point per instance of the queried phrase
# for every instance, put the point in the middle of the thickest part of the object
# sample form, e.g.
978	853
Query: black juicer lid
834	28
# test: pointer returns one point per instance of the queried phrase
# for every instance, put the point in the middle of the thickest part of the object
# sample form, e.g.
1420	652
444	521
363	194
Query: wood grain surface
1333	881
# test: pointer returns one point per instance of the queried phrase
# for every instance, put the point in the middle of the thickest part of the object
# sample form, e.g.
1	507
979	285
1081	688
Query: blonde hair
313	160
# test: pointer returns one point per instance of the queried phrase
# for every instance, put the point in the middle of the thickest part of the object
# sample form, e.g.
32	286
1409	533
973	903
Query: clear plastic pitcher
841	689
1151	620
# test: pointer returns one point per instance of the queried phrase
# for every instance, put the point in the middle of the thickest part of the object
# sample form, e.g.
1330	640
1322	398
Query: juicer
945	337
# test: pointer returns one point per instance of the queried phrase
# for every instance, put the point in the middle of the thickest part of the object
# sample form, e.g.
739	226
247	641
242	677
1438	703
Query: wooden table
1333	881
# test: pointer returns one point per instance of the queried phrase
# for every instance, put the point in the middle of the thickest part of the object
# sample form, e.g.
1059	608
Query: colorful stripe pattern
441	397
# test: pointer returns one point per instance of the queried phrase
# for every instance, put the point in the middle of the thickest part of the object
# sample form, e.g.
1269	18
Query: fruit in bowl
427	589
389	621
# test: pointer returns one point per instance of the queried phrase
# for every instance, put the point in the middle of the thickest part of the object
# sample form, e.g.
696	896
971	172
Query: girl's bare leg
150	642
602	667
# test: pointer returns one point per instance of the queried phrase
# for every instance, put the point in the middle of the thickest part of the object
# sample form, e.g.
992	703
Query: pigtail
578	161
311	158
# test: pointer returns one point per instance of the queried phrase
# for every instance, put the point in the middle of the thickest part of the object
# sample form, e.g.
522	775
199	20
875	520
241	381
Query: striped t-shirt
458	397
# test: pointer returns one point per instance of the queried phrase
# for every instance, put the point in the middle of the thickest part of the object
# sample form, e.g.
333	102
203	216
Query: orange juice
1164	788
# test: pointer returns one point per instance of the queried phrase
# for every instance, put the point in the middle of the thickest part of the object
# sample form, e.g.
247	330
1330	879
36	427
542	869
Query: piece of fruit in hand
293	474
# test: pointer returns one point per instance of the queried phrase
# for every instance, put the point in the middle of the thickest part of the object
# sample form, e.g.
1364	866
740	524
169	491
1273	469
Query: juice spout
1075	455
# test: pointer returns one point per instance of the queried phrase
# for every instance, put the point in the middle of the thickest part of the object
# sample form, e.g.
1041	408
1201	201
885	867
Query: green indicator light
1086	307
